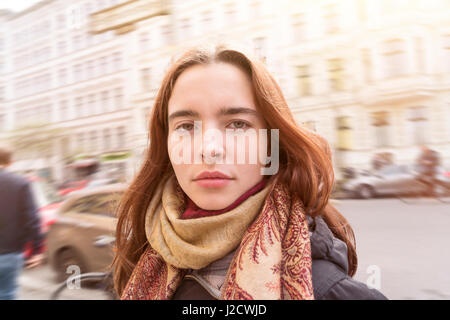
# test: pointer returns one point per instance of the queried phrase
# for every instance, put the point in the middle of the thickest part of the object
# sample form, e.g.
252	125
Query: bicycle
92	280
432	188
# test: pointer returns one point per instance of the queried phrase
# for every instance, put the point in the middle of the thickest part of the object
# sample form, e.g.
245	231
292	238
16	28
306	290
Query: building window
79	107
420	54
418	122
93	140
65	147
299	27
62	48
336	74
63	110
90	69
117	61
362	10
146	79
103	65
81	142
105	101
331	16
121	138
77	72
166	35
2	122
107	139
367	67
303	80
91	104
256	9
62	75
380	122
446	40
230	14
259	47
207	20
118	98
144	41
394	56
76	43
344	133
186	28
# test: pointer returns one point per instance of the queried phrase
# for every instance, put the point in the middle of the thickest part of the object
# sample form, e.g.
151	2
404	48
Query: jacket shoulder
330	282
351	289
12	179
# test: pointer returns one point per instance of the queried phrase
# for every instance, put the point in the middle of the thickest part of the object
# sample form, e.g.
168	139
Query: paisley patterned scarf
270	231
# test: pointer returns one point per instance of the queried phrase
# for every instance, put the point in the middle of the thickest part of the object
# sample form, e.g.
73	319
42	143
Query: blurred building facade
370	76
373	77
68	83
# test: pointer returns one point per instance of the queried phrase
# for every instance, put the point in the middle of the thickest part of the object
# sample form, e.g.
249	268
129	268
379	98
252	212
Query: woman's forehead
212	86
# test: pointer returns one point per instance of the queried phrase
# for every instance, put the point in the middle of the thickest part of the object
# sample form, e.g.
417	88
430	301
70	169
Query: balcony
395	90
122	17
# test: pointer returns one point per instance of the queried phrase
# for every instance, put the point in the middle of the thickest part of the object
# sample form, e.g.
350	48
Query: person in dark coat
428	162
19	223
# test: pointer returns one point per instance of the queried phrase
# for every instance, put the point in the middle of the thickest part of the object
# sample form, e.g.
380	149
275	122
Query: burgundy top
193	211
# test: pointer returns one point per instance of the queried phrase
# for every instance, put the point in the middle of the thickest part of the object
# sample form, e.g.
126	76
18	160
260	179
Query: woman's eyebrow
225	111
183	113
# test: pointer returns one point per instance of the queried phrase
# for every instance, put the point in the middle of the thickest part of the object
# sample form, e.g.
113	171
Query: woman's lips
213	182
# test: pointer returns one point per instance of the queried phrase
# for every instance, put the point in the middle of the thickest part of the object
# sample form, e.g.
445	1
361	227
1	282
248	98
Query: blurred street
408	242
39	283
401	239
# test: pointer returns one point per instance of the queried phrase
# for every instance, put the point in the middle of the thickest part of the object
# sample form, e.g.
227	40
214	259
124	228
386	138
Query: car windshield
44	193
394	170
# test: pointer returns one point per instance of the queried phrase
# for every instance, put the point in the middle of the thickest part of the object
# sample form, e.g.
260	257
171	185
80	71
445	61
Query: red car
72	186
48	201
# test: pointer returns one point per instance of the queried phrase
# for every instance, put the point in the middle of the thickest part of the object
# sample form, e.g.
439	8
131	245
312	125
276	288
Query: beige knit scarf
270	231
195	243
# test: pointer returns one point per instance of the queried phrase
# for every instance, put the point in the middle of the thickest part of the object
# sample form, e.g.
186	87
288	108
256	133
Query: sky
17	5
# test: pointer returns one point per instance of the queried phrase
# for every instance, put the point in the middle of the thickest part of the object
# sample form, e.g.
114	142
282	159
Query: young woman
198	223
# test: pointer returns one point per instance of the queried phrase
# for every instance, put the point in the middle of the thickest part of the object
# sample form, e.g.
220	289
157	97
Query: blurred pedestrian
428	163
19	223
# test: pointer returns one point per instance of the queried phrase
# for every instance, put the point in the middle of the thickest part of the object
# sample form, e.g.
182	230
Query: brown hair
304	161
5	156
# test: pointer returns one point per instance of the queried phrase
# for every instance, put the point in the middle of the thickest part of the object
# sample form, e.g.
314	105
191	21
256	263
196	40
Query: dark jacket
329	271
330	268
19	219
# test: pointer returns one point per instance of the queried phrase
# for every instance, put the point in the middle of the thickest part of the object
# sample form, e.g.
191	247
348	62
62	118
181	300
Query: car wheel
68	263
366	192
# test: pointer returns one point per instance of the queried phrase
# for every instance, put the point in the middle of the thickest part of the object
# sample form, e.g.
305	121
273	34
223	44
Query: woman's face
209	102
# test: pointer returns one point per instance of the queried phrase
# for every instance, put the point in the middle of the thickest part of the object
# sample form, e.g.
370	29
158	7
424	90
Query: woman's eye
239	124
185	127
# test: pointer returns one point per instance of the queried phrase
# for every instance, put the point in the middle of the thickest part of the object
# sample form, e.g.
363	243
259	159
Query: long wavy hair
305	164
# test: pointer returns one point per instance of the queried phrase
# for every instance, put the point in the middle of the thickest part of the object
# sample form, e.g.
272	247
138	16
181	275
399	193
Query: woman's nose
212	146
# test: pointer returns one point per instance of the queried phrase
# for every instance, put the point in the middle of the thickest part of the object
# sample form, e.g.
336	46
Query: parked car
47	201
71	186
394	180
100	182
83	232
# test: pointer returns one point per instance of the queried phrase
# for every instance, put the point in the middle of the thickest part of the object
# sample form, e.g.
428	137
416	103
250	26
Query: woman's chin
212	204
